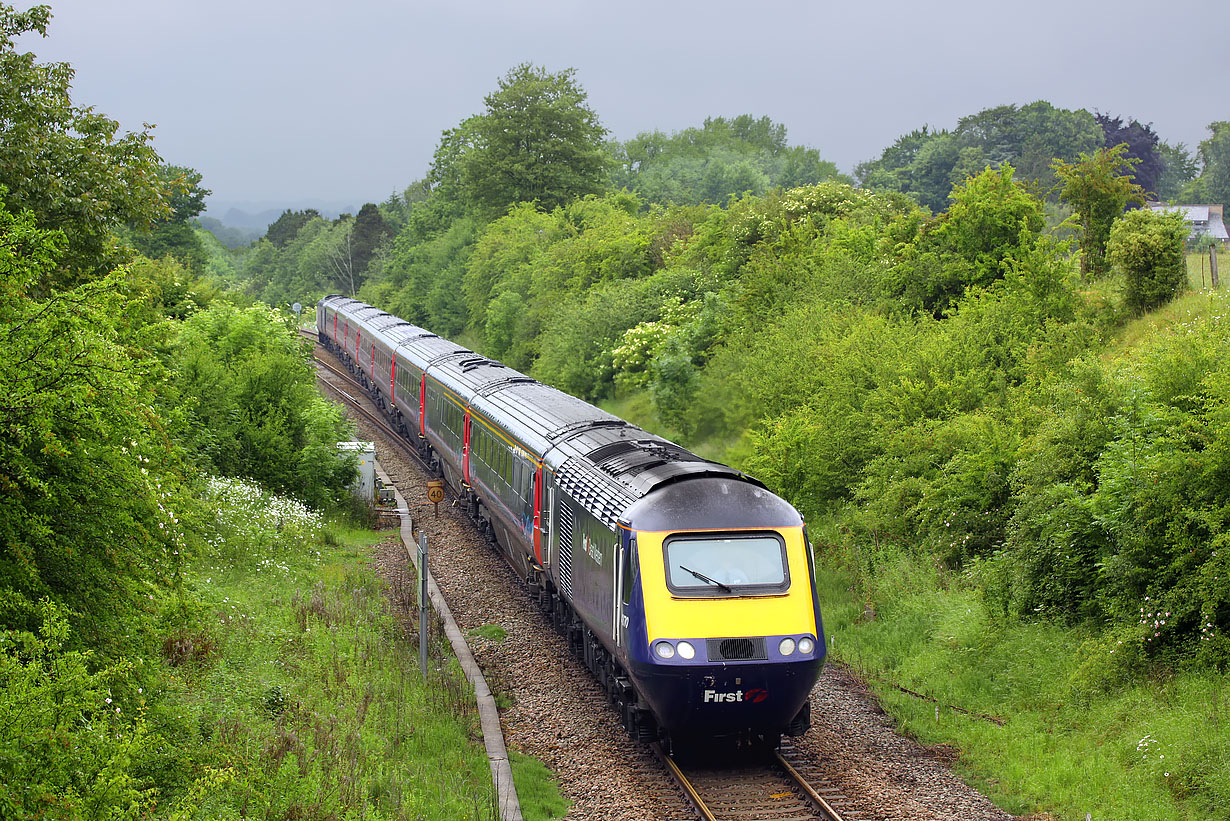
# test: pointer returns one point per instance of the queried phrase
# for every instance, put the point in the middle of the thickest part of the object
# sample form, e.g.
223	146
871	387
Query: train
684	585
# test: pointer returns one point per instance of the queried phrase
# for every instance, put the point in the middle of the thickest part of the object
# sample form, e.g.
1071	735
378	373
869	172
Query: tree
66	164
87	464
1143	146
1147	246
1097	187
1178	169
1215	163
927	165
994	220
723	158
282	230
369	232
536	141
173	235
254	406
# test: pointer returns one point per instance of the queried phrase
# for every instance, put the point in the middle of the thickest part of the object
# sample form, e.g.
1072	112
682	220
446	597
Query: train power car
683	584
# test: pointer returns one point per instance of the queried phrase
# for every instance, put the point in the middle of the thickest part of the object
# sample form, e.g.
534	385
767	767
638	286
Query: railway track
733	786
743	785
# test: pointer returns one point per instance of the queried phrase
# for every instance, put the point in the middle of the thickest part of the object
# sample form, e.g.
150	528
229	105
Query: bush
254	403
68	739
1147	247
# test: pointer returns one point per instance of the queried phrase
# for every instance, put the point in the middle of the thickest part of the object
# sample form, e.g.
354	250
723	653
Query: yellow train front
720	620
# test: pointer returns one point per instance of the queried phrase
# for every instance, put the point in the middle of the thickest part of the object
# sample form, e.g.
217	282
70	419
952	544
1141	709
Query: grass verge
1087	728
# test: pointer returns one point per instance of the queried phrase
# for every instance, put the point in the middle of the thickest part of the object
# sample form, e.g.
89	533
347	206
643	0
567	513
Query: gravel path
559	715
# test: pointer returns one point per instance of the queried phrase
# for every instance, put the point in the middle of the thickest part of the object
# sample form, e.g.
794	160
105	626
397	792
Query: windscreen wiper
705	578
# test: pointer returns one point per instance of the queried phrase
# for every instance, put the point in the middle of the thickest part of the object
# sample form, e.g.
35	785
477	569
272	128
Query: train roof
602	461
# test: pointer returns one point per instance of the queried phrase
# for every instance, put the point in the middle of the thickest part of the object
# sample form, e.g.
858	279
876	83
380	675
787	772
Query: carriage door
624	555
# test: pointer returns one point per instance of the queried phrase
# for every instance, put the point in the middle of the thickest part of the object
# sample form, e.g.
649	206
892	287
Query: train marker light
806	645
665	650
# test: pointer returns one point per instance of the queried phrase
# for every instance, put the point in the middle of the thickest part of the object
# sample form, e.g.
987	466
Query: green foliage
421	280
537	141
1092	723
173	239
369	232
927	164
286	227
314	257
66	164
1097	187
70	744
254	408
87	463
1215	164
711	164
310	700
185	194
173	236
1178	169
1147	247
993	221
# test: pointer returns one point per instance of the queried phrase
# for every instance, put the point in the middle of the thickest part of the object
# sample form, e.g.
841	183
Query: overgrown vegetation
283	688
1013	455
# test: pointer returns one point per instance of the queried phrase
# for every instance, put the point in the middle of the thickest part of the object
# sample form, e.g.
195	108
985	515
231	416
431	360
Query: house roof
1198	217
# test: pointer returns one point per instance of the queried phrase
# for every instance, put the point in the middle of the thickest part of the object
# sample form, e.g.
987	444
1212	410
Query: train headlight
806	645
786	647
686	650
665	650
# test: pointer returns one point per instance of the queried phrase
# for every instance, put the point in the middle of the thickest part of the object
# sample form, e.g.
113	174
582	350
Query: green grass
491	632
313	698
537	789
1199	273
1154	747
293	692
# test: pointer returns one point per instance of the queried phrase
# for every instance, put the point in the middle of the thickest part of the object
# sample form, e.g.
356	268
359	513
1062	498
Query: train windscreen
703	565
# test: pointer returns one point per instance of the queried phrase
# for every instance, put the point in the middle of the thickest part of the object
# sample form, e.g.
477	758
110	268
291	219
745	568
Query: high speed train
684	585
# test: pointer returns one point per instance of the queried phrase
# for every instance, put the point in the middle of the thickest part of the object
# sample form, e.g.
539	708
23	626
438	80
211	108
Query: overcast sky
343	101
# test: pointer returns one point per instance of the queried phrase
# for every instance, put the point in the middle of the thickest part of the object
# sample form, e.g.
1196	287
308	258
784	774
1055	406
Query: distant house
1201	219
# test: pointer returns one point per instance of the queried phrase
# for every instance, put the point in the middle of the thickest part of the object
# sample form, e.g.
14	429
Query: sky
340	102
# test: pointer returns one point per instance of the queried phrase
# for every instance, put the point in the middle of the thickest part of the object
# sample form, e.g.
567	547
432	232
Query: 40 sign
435	491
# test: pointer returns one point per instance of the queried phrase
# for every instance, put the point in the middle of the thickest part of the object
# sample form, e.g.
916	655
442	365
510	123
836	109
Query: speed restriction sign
435	491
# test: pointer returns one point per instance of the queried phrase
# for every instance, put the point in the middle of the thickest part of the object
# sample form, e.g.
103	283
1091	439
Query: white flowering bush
256	523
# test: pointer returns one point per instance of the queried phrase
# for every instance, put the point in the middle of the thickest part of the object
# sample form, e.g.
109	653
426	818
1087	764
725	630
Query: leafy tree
87	464
1147	246
285	227
172	235
68	752
185	194
369	232
537	141
254	407
1143	146
993	220
723	158
1178	169
1097	187
926	164
1215	164
66	164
